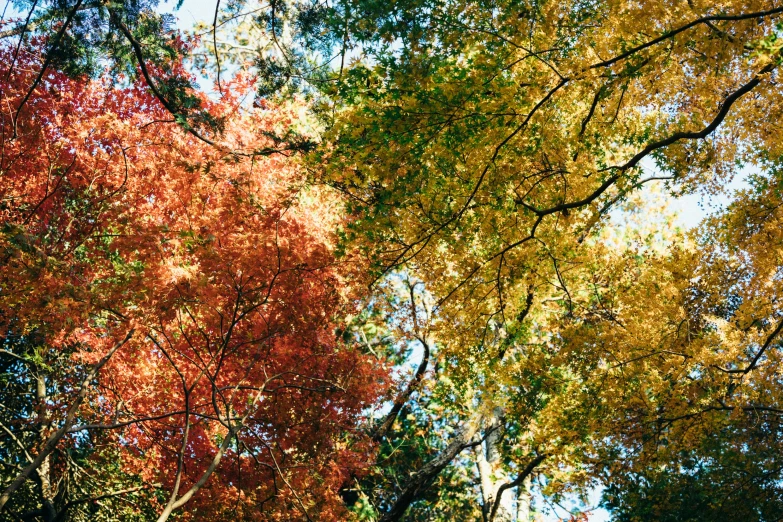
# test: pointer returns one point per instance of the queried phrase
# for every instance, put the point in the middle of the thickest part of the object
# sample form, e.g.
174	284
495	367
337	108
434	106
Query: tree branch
755	360
674	32
419	480
514	483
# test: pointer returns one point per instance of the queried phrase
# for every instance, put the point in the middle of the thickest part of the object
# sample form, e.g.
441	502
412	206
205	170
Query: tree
131	39
483	149
685	369
175	306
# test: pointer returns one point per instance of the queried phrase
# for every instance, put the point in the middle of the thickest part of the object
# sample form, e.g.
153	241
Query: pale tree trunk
524	501
492	474
48	511
498	503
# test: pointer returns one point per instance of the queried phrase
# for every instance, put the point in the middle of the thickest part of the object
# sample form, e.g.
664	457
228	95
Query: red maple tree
196	291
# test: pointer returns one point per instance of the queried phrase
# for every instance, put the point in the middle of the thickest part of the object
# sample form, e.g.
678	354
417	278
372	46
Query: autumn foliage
416	260
211	274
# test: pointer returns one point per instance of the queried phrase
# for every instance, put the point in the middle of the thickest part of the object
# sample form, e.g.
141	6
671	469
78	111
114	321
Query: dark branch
514	483
694	23
755	360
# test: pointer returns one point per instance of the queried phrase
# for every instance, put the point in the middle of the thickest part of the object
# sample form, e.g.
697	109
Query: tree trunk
491	473
424	476
524	501
48	511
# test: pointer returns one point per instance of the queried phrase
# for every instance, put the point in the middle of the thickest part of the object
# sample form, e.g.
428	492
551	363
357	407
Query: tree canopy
408	260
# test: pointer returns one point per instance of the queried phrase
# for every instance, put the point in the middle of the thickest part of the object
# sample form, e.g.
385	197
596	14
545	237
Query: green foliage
130	38
88	479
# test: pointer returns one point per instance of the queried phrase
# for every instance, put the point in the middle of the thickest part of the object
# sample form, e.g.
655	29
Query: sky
192	11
